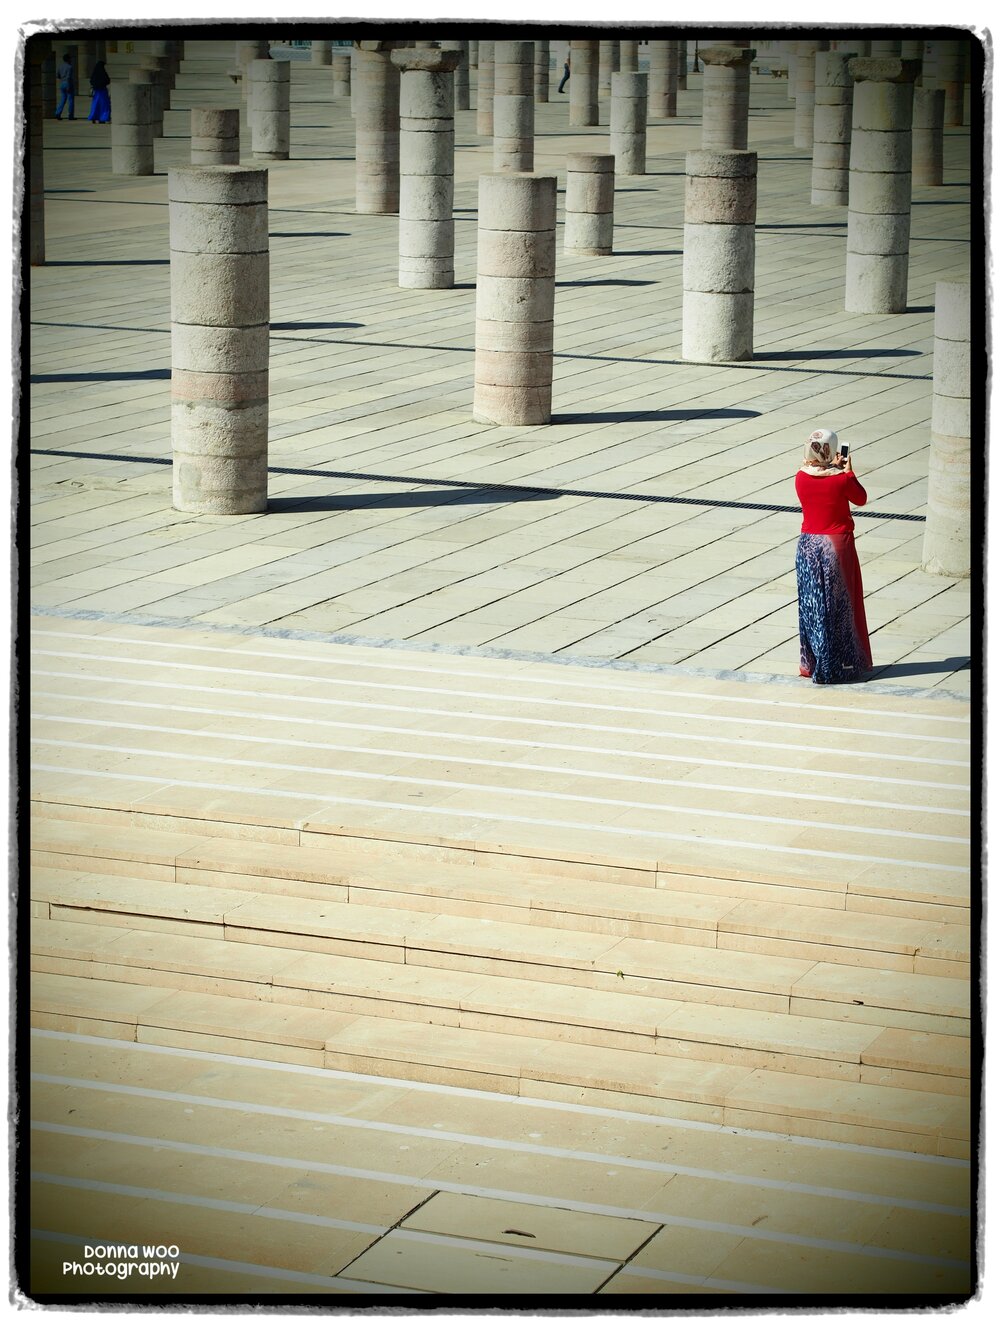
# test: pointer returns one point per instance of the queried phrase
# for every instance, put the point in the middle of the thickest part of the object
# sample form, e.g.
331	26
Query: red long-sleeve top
826	501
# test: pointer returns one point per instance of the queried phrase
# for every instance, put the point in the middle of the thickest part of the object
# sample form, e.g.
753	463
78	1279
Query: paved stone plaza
443	883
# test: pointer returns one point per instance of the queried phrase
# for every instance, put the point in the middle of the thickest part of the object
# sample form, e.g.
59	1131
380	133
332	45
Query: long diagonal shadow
505	491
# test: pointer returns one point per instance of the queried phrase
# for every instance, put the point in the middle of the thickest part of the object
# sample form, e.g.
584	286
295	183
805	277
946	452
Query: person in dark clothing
100	99
565	77
66	75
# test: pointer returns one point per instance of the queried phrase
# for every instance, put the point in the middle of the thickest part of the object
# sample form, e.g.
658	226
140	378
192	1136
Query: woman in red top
833	633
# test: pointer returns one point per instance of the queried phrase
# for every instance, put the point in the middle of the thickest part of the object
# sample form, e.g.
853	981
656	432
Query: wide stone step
610	962
716	1092
789	1043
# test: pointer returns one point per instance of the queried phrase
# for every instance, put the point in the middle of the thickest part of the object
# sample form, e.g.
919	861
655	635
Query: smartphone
844	450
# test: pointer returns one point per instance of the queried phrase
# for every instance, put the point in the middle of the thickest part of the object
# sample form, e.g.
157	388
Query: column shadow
903	669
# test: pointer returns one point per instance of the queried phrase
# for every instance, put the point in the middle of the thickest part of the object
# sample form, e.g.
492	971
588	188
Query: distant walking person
66	75
565	77
833	633
100	99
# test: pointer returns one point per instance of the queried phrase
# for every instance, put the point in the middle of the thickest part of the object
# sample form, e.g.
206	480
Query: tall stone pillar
947	537
473	53
951	77
215	136
219	312
929	69
662	80
682	66
513	107
583	106
928	136
805	91
886	46
376	122
791	56
484	90
270	125
515	299
153	80
628	57
607	60
321	53
340	66
36	170
590	204
87	55
245	53
726	96
878	216
542	61
912	49
462	102
720	210
50	96
132	131
426	166
832	129
161	57
628	123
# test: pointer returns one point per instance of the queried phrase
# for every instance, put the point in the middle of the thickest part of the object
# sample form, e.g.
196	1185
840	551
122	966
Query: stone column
912	49
791	49
928	71
462	102
542	59
832	129
36	169
886	47
219	312
682	66
720	210
878	216
87	54
484	90
606	63
590	204
245	53
950	77
270	124
805	91
662	80
215	136
515	298
322	53
132	131
583	108
726	96
628	123
473	53
927	163
628	58
513	107
161	57
50	95
152	79
426	166
340	65
376	110
947	536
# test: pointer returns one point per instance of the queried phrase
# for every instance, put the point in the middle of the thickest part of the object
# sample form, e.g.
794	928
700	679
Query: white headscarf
820	453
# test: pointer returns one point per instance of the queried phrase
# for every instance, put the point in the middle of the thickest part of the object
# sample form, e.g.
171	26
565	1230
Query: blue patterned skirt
833	633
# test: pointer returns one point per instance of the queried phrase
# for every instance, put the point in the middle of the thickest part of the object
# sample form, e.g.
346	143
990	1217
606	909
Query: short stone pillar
583	106
426	166
36	169
607	63
947	536
515	299
725	96
805	91
590	204
628	122
720	211
484	90
376	126
473	53
628	58
513	107
153	80
951	77
340	68
878	214
682	66
219	313
832	129
542	61
132	131
215	136
927	166
662	80
164	54
321	53
246	52
270	125
462	102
